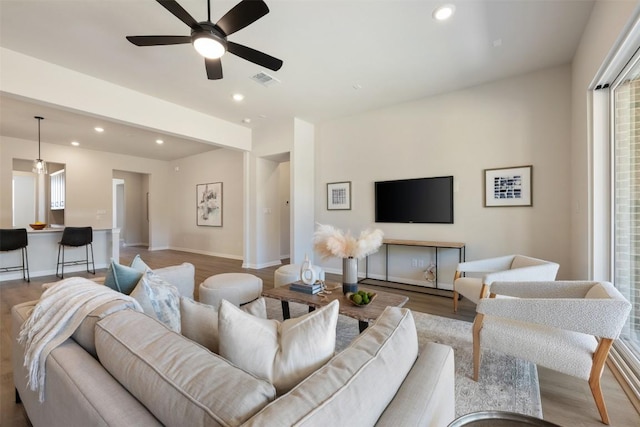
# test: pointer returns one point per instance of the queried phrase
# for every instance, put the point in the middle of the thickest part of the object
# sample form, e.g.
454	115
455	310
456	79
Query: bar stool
76	237
12	240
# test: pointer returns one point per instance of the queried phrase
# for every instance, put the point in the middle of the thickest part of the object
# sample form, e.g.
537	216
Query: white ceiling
340	58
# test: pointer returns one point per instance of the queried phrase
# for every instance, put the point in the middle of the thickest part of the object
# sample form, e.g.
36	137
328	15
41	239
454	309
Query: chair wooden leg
477	326
599	359
483	291
455	294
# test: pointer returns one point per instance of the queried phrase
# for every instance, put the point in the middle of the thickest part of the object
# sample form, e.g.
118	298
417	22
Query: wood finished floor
566	401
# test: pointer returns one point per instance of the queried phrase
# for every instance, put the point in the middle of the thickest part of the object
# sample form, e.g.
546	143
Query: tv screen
419	200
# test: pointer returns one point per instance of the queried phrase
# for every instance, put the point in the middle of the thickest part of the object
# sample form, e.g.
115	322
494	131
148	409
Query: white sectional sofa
129	369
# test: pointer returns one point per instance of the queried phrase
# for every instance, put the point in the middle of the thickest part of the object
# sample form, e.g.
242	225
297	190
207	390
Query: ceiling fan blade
177	11
254	56
158	40
214	68
244	13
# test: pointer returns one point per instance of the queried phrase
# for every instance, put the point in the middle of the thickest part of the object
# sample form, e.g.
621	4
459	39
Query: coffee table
364	314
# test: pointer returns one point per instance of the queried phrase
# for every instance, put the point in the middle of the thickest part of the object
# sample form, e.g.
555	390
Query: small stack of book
307	289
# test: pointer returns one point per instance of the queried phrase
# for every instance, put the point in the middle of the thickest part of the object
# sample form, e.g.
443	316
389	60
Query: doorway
130	208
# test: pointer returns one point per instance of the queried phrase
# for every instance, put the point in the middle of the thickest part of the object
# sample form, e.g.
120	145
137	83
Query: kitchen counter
43	252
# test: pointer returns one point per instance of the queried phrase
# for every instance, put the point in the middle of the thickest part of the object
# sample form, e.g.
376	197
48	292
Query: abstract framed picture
339	196
506	187
209	204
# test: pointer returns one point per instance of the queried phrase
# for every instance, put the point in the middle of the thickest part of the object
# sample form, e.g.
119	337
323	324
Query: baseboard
263	265
15	275
196	251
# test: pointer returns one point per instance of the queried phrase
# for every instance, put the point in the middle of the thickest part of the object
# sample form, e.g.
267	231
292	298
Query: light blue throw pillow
122	278
139	264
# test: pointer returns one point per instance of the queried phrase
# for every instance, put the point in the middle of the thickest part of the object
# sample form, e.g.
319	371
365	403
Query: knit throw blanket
61	309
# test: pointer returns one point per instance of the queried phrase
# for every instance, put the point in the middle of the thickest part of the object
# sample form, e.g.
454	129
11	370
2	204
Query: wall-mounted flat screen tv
419	200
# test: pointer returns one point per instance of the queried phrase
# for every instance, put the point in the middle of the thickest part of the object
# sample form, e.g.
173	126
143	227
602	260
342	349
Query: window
625	116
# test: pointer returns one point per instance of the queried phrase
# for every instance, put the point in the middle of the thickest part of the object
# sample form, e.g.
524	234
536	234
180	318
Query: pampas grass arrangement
329	242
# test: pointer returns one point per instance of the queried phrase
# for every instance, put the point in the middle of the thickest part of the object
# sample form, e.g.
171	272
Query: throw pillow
199	322
122	278
159	299
139	264
284	353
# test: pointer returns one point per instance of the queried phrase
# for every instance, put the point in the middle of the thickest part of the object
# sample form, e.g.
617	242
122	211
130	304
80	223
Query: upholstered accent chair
504	268
566	326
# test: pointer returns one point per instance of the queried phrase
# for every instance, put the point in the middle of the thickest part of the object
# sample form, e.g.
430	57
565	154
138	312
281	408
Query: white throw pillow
159	299
199	322
284	353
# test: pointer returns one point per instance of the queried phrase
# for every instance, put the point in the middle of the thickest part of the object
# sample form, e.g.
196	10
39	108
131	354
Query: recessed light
444	12
159	141
238	97
246	120
75	143
98	129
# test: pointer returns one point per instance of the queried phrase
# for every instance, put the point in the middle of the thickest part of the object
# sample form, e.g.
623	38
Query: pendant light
39	165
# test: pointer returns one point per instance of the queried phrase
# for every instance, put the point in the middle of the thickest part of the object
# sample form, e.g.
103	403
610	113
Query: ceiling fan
210	40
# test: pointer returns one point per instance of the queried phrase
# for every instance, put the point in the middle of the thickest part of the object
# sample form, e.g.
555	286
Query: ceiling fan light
208	46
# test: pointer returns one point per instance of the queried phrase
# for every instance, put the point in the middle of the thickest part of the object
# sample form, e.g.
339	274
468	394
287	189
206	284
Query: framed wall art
339	196
209	204
508	186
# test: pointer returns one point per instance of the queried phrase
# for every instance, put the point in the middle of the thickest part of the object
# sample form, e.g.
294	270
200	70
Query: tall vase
349	275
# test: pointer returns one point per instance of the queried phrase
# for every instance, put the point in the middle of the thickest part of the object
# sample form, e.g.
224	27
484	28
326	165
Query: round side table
499	419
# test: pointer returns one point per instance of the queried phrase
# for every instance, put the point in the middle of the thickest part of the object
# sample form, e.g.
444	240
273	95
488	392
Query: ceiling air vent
265	79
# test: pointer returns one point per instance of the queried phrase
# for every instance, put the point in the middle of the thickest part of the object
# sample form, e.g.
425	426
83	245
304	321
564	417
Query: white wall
519	121
302	191
224	166
605	25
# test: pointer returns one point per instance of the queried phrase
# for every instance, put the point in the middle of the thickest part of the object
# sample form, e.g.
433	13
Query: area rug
506	383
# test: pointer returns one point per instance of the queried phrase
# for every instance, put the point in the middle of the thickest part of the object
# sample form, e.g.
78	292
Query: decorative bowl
38	226
372	296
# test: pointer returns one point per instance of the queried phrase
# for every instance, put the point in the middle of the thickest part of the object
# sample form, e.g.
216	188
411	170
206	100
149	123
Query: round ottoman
291	273
237	288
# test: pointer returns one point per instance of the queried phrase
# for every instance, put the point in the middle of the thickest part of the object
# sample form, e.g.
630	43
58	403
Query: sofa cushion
85	334
175	378
122	278
159	299
181	276
199	322
356	386
284	353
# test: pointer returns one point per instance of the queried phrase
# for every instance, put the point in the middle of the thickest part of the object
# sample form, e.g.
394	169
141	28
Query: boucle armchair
566	326
504	268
